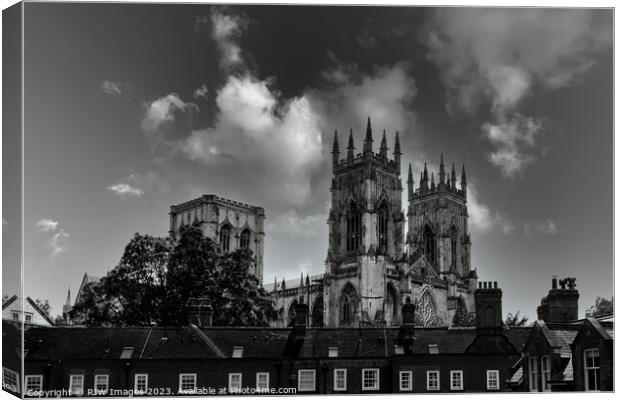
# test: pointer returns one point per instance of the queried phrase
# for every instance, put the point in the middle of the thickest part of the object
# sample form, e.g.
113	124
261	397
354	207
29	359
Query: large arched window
348	302
354	227
225	238
453	244
244	239
382	226
317	312
290	317
426	310
429	245
391	305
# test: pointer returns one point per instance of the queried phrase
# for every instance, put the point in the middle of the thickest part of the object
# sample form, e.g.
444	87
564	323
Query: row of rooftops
191	342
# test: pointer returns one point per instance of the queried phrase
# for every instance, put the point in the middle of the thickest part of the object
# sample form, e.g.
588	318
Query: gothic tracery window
225	238
453	244
244	239
429	245
354	227
382	226
317	313
347	305
426	310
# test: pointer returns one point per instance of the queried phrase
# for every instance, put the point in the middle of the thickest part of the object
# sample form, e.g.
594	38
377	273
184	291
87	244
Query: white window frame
545	369
72	386
238	386
107	383
532	373
15	315
13	375
39	385
453	374
258	379
181	376
306	380
490	373
428	380
586	352
27	316
405	385
343	387
135	382
376	379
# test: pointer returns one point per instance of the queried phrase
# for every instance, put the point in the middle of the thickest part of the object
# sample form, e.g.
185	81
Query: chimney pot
495	285
554	282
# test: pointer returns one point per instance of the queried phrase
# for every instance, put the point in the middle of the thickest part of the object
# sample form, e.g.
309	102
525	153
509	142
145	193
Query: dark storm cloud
500	57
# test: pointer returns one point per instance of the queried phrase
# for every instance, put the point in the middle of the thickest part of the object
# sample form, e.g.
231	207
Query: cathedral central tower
366	225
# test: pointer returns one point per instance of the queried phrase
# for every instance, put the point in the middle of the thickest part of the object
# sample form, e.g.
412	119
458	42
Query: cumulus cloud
225	30
482	219
125	190
201	92
511	141
58	242
498	57
111	88
46	225
548	227
165	119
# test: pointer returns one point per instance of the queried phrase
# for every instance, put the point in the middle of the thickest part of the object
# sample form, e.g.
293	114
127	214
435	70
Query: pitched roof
33	304
257	342
559	335
9	301
517	377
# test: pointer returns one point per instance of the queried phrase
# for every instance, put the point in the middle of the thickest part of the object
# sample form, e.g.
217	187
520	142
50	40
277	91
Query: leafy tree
154	281
192	272
601	306
242	301
5	298
138	283
461	316
44	305
514	320
95	306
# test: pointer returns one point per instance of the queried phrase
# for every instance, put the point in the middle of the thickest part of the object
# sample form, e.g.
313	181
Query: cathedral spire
432	181
301	283
463	181
453	178
410	183
283	286
442	172
383	149
275	284
425	179
68	303
397	152
350	147
335	150
368	140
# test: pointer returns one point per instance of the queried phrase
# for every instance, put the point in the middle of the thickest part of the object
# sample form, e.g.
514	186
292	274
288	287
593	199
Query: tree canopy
156	277
516	320
601	306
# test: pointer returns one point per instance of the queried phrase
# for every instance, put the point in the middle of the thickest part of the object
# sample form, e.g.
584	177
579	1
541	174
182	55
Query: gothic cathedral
371	268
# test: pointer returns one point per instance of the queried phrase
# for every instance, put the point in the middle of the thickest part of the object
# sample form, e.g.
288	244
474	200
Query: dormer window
399	349
333	352
433	349
237	352
127	352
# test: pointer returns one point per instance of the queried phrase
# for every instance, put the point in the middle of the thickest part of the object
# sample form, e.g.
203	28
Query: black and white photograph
209	199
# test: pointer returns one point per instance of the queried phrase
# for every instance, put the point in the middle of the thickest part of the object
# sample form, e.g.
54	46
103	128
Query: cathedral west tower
366	224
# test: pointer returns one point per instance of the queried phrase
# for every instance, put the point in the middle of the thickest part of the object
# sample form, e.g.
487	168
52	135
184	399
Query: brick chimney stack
406	333
561	304
488	299
301	317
